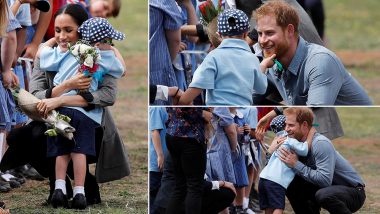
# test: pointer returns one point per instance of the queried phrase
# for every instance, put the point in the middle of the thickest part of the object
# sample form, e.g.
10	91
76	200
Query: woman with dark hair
67	20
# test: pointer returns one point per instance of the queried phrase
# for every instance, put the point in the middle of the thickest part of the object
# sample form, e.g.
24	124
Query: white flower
89	61
83	48
75	51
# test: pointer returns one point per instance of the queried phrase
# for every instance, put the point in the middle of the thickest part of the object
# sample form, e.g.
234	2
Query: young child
98	32
99	8
157	150
276	175
230	73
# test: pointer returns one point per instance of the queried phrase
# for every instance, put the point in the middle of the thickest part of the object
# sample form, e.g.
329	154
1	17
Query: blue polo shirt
316	76
276	170
157	119
230	74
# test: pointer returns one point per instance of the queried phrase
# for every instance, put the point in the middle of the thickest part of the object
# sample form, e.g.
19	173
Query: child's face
100	8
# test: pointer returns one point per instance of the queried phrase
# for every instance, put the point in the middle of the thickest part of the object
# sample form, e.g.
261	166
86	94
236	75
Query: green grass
352	24
359	122
133	21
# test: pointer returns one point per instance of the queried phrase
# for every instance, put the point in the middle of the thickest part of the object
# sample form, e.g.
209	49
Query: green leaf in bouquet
64	118
51	133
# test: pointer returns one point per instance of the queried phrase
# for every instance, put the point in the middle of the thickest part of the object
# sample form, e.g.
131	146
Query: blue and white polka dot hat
278	123
96	29
232	22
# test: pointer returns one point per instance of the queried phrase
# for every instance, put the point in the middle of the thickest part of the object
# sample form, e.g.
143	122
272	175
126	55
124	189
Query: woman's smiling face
65	31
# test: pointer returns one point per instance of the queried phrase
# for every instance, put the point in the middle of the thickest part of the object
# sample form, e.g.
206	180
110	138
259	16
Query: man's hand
289	157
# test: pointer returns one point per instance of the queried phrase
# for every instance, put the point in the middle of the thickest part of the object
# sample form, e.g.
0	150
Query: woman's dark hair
76	11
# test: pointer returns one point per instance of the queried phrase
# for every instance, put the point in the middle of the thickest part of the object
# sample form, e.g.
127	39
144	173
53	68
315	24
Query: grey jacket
112	161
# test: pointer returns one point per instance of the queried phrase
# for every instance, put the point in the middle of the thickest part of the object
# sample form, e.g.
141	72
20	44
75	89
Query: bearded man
305	73
324	178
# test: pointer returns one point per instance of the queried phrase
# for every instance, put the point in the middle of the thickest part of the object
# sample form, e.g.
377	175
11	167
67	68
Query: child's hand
10	79
240	129
78	81
182	46
277	142
247	128
267	63
47	105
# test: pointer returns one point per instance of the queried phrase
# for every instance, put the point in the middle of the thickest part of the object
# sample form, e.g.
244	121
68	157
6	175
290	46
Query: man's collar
298	57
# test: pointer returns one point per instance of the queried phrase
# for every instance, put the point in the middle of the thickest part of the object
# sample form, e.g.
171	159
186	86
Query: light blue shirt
324	166
230	74
66	66
250	113
23	14
316	76
157	118
276	170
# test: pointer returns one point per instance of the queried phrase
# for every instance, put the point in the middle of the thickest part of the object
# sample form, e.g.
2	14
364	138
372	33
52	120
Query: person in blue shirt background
157	150
230	73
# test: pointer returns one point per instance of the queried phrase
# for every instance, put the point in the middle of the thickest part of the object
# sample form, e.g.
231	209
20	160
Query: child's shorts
84	136
271	195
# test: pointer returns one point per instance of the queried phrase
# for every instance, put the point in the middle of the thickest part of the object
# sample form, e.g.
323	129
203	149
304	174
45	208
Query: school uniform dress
238	157
7	104
163	15
219	156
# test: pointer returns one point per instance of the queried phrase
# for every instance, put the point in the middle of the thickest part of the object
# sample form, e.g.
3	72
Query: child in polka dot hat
233	22
98	29
230	73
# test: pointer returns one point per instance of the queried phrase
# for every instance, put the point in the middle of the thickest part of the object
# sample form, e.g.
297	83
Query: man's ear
290	30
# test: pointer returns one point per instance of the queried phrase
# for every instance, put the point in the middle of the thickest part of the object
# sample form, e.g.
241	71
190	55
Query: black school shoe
58	199
79	202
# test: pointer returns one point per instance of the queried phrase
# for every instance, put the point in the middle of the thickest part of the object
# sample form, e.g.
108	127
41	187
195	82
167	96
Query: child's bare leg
79	162
278	211
269	211
250	173
239	197
3	143
61	163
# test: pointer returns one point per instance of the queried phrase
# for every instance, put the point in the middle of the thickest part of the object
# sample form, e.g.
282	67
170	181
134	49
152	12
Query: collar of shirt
298	57
234	43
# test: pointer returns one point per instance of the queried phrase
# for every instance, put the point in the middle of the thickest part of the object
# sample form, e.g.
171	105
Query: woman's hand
240	129
47	105
78	81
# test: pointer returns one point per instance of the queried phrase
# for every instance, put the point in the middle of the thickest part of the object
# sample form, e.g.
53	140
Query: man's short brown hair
282	11
302	114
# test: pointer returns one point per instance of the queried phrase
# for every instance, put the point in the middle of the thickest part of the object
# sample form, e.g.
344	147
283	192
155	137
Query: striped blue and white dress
163	15
7	105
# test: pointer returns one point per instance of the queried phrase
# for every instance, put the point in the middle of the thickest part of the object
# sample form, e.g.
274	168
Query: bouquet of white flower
27	103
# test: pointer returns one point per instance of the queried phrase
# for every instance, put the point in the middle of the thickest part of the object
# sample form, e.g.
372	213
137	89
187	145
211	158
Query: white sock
78	189
61	184
245	202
